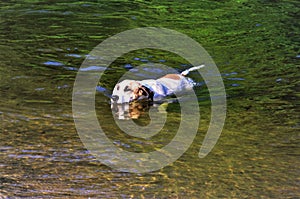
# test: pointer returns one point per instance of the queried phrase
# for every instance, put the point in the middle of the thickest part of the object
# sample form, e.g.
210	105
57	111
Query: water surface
255	45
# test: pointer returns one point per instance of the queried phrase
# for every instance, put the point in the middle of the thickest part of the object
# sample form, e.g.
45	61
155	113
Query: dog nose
115	98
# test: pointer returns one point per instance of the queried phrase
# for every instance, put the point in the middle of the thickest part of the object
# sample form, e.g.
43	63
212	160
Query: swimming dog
128	91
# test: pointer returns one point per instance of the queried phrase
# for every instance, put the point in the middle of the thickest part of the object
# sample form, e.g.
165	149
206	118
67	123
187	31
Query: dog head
128	91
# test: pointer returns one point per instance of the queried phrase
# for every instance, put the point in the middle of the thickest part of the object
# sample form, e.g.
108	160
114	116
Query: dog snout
115	98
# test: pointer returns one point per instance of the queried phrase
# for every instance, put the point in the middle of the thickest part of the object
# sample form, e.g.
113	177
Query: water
255	45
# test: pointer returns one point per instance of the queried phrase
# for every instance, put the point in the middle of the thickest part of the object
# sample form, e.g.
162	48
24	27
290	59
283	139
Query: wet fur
128	91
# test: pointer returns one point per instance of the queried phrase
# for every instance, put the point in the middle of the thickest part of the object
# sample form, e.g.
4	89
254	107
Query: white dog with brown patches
128	91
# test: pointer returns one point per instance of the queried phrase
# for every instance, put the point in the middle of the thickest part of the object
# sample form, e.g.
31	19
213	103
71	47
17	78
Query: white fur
124	91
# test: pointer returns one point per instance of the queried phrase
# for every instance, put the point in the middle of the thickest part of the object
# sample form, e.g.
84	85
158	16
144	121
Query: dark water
255	45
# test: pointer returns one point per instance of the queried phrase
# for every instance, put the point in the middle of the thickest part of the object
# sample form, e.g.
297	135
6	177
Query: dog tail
186	72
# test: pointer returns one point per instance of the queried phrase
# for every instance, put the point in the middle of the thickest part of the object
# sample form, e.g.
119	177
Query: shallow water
255	45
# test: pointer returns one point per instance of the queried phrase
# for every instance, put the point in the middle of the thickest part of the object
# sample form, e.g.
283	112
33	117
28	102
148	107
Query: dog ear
146	92
142	92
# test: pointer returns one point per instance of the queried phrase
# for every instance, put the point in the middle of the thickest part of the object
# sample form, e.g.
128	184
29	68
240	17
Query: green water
255	45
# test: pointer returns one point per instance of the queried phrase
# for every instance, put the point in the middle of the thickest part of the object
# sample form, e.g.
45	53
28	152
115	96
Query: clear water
255	45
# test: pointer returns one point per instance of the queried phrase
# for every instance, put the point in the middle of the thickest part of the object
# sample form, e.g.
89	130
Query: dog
128	91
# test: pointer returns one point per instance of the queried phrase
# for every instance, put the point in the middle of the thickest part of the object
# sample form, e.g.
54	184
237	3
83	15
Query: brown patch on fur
172	76
134	85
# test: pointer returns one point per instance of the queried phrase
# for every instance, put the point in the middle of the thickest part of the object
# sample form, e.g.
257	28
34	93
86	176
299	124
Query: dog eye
127	89
118	87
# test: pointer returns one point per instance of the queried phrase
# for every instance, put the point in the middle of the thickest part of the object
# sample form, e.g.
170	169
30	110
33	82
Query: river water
255	45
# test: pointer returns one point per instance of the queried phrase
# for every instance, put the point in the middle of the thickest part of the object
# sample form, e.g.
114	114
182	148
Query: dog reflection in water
135	109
